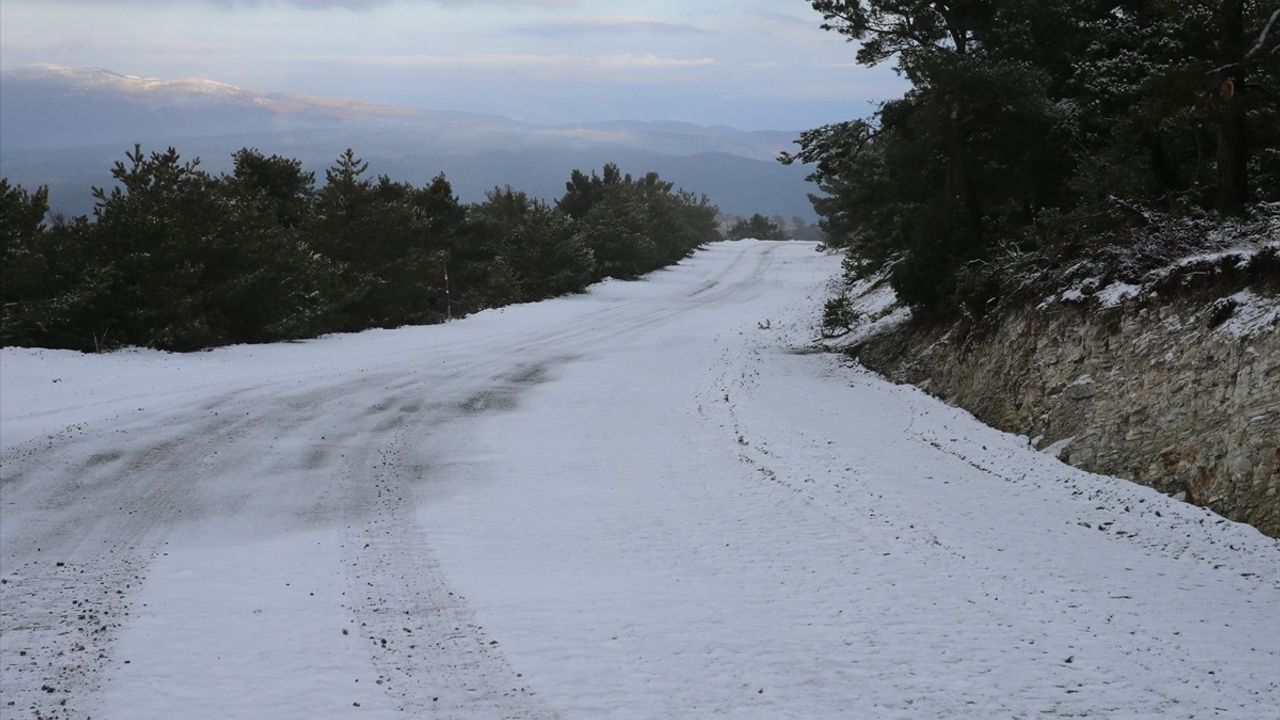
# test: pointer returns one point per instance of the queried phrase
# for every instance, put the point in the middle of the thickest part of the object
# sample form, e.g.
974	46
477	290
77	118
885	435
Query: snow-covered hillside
648	501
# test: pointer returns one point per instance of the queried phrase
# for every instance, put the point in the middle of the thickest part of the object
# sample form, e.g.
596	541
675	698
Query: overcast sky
753	64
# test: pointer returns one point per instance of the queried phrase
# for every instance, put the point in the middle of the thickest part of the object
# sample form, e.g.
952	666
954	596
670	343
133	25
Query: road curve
641	502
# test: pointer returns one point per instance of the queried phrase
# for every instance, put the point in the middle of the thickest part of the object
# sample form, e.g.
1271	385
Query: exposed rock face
1181	394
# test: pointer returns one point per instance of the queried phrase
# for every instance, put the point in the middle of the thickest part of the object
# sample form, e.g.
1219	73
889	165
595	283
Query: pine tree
757	227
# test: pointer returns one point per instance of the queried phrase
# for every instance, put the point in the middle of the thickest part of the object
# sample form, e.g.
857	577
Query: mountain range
63	127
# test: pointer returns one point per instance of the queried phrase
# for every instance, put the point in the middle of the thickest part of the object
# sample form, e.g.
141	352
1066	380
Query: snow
1116	293
1057	448
1253	315
1262	36
876	302
875	305
639	502
1240	256
878	310
96	77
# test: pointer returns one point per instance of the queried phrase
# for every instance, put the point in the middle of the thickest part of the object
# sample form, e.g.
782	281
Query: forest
178	259
1034	138
1040	136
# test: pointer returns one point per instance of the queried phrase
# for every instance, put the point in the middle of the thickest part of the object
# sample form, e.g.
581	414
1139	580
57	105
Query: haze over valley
64	127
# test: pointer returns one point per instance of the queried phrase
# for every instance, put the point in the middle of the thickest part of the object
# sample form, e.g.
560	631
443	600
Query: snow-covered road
648	501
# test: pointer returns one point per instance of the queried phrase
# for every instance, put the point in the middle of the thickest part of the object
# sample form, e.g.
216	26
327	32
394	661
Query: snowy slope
643	502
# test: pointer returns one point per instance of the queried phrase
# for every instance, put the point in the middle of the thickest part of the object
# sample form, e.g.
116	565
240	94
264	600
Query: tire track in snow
190	465
1045	607
429	648
70	581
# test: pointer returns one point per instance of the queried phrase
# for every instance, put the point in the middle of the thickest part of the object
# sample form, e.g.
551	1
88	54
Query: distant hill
63	127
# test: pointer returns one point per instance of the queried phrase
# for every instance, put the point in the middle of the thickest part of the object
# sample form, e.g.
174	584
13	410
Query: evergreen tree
175	258
23	267
157	241
1006	142
757	227
582	192
289	188
22	226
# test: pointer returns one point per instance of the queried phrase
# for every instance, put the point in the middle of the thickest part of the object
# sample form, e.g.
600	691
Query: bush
838	316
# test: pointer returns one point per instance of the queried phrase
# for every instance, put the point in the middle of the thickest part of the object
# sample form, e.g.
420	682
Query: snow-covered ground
649	501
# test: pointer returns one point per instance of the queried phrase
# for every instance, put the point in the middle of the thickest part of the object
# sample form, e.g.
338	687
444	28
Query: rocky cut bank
1169	377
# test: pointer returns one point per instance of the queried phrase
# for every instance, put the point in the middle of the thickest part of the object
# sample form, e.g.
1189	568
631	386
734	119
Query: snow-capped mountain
53	106
86	79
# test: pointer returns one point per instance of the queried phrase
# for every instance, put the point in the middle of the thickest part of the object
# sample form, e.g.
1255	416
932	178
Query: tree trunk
1233	148
959	176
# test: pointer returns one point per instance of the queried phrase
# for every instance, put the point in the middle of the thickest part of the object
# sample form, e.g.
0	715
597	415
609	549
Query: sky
751	64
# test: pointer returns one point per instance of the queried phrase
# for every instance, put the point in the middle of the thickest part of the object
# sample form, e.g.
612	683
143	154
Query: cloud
312	4
618	61
612	24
